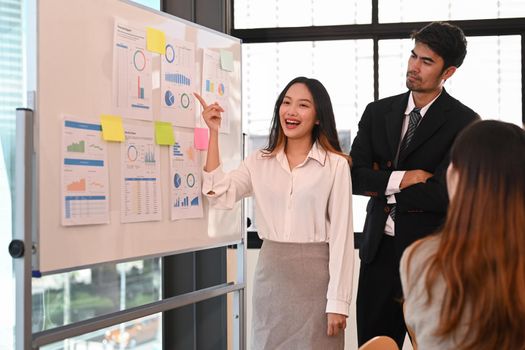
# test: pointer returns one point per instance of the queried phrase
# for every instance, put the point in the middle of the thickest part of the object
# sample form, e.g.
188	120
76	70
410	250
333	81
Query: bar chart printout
215	85
84	173
132	73
140	170
185	173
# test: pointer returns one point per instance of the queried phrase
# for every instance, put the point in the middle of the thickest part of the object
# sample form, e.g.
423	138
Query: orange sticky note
155	41
112	128
201	138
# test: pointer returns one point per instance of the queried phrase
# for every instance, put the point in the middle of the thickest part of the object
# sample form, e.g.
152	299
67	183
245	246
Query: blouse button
387	209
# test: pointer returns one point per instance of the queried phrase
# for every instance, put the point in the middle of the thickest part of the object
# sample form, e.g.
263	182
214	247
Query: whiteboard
74	77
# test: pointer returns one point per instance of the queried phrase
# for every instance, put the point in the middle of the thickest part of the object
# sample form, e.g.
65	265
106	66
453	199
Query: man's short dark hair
445	39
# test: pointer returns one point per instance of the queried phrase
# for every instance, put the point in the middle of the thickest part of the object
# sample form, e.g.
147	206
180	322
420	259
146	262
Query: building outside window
12	95
62	299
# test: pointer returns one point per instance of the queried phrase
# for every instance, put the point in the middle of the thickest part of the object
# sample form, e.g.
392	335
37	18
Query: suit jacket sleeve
430	196
366	180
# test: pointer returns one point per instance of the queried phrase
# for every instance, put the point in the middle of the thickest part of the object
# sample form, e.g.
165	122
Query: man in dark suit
400	156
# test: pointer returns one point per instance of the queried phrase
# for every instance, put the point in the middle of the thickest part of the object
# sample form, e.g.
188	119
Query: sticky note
164	133
155	41
227	60
201	138
112	128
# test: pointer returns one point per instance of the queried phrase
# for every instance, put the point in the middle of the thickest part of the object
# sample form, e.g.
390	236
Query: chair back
380	343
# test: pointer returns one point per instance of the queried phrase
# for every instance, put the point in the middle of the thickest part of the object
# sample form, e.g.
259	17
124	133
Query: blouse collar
317	153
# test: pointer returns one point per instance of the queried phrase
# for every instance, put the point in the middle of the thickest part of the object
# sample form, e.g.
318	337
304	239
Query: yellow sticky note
155	41
200	138
164	133
227	60
112	129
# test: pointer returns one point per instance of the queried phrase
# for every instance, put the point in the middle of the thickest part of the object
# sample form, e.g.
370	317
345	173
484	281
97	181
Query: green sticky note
164	133
155	41
227	60
112	128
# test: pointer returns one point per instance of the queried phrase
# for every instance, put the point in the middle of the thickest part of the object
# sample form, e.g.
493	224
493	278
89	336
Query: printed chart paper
140	186
132	88
215	85
178	83
84	176
185	174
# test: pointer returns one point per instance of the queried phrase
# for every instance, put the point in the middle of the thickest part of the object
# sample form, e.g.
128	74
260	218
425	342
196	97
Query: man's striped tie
413	122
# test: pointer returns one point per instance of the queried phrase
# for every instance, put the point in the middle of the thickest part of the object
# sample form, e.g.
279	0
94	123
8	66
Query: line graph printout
215	85
132	73
84	175
185	174
140	170
178	83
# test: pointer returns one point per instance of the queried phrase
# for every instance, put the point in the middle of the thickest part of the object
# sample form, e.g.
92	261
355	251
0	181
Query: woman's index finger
201	100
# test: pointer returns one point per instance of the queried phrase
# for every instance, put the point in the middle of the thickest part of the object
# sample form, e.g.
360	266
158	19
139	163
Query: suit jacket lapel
434	118
394	122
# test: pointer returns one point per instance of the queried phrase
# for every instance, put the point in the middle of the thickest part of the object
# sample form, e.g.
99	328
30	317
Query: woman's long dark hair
325	132
481	254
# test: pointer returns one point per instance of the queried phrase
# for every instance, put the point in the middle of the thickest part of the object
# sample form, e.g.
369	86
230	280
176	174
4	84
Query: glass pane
12	77
154	4
298	13
143	333
393	58
268	67
430	10
492	65
66	298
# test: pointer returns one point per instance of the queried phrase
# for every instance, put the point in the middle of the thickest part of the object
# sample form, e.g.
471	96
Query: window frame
379	31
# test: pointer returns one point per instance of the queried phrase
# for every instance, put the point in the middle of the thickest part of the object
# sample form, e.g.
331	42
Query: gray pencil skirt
289	298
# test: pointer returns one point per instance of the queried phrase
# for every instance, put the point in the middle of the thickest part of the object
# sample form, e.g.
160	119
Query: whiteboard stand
239	299
21	247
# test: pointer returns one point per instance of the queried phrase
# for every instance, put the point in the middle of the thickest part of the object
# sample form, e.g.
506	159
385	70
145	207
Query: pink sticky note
201	138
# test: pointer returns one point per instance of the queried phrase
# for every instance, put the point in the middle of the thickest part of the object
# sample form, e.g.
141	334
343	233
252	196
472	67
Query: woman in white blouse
302	188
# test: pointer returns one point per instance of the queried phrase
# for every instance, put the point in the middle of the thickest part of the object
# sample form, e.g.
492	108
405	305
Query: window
299	13
429	10
269	67
143	333
66	298
154	4
489	80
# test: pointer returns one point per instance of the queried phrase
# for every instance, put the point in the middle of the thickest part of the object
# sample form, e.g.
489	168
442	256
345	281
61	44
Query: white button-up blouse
310	203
